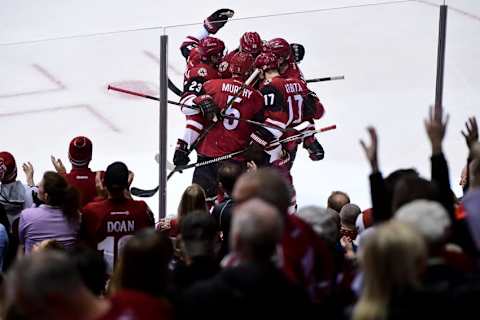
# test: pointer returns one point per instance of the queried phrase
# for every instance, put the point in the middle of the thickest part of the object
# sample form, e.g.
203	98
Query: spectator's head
198	235
429	218
348	217
46	285
410	188
8	167
392	258
143	263
337	200
116	179
55	191
266	184
228	174
80	151
91	267
256	230
193	198
323	222
392	179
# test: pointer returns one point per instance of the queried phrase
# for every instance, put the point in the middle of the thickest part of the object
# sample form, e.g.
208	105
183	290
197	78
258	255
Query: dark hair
193	198
410	188
228	173
116	176
91	267
143	263
61	194
392	179
337	200
199	232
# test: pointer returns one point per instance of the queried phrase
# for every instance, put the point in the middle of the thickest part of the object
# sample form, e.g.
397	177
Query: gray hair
428	217
257	228
35	278
322	220
349	214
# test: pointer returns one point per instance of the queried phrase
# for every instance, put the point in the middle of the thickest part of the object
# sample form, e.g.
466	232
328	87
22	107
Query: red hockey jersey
231	135
107	225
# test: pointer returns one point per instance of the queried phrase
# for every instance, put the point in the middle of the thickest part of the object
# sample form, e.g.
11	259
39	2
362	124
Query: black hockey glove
298	52
180	158
314	148
207	107
217	20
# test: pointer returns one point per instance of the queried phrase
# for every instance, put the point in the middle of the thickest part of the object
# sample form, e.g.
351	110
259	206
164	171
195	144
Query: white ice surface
51	91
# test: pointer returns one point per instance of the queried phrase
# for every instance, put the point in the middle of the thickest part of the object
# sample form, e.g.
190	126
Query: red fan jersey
307	259
231	135
107	225
83	179
136	305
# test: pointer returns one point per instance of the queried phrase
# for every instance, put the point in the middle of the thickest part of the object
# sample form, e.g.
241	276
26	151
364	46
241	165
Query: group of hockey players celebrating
248	99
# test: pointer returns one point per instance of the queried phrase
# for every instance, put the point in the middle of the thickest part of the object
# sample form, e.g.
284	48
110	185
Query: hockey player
288	67
250	42
227	135
288	103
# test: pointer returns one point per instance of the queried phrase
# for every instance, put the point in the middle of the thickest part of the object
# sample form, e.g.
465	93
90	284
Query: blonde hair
391	258
193	198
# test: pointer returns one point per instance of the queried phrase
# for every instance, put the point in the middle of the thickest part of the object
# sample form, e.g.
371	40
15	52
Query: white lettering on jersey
293	87
232	88
121	226
81	177
114	213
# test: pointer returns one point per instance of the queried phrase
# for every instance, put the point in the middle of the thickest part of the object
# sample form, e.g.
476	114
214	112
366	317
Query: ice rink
57	58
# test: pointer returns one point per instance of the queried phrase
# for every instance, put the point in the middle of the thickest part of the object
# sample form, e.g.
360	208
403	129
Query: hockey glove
180	158
298	52
207	107
217	20
312	107
314	148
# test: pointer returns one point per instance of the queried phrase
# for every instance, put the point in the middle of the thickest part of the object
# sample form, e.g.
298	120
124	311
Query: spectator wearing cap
14	195
81	176
57	218
107	225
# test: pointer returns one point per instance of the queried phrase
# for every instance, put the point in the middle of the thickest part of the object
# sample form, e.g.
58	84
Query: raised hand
371	151
436	127
58	165
28	169
471	134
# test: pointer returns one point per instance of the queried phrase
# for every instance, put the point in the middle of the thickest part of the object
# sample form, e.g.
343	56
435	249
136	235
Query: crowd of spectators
78	246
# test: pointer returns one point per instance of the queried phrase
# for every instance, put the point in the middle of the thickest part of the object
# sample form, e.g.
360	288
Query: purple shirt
45	223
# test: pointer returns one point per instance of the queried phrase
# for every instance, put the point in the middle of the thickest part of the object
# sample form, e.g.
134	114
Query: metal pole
442	34
162	148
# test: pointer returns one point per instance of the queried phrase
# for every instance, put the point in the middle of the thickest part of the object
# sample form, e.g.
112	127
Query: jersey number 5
231	124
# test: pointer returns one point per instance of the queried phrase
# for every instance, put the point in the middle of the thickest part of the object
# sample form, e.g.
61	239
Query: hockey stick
148	193
174	88
179	92
325	79
138	94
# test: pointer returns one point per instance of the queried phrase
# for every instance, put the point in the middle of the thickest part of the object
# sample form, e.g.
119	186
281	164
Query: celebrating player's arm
211	25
